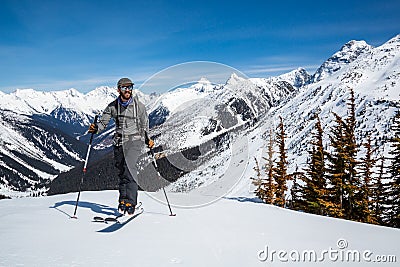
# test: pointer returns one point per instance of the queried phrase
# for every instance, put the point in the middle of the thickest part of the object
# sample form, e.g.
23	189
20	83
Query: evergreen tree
296	192
343	163
394	170
258	181
269	166
271	186
336	169
315	188
280	170
379	192
363	197
265	187
351	182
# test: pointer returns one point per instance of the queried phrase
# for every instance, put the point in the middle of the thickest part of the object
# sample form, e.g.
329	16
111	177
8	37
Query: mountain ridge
373	72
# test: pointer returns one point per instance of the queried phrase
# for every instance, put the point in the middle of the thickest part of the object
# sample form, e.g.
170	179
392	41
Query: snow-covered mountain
195	122
33	149
372	72
347	54
297	78
185	119
40	132
167	104
196	115
29	101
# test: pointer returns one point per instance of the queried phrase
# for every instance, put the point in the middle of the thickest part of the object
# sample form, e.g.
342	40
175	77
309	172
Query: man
131	127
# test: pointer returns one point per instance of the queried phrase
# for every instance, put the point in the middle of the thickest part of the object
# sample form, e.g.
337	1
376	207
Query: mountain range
42	134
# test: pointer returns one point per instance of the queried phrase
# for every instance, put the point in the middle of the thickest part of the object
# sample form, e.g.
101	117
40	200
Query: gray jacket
131	122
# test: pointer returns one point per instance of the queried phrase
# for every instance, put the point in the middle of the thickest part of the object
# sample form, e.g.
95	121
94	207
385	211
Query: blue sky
55	45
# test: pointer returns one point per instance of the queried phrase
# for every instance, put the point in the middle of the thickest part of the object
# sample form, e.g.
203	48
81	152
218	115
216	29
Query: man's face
125	91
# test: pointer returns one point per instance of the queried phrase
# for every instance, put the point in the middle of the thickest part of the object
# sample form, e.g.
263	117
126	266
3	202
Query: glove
150	143
93	128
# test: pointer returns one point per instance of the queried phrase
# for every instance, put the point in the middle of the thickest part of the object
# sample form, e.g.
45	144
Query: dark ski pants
125	160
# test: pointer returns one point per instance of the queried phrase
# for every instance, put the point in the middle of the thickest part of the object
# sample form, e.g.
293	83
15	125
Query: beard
125	97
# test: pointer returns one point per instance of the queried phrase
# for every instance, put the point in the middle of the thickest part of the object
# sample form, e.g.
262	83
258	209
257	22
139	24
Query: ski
113	219
127	218
121	222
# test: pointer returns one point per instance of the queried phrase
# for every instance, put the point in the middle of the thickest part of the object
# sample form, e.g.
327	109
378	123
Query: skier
131	127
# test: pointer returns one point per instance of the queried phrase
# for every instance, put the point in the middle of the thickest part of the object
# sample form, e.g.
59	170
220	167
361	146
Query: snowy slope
167	104
174	98
298	78
32	152
347	54
230	232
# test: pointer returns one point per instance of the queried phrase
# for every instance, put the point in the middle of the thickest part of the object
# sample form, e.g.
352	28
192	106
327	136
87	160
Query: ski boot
122	207
130	208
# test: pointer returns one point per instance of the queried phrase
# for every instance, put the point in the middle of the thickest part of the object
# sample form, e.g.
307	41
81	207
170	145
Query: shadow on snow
95	207
118	225
245	199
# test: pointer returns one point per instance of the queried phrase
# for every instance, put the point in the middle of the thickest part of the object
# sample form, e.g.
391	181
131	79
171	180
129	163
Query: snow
73	155
30	101
219	222
297	78
347	54
233	231
13	142
178	98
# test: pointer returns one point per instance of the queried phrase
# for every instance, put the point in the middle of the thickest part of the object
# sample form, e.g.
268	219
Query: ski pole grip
95	121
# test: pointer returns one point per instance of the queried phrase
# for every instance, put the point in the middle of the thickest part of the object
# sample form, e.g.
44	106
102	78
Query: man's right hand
93	128
150	143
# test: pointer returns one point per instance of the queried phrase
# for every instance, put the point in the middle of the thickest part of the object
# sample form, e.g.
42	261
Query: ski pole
84	170
165	193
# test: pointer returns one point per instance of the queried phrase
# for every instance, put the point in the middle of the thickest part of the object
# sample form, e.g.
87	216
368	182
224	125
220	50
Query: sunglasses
125	88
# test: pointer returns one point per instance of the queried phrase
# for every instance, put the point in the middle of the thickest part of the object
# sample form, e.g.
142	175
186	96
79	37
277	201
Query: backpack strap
118	110
136	103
